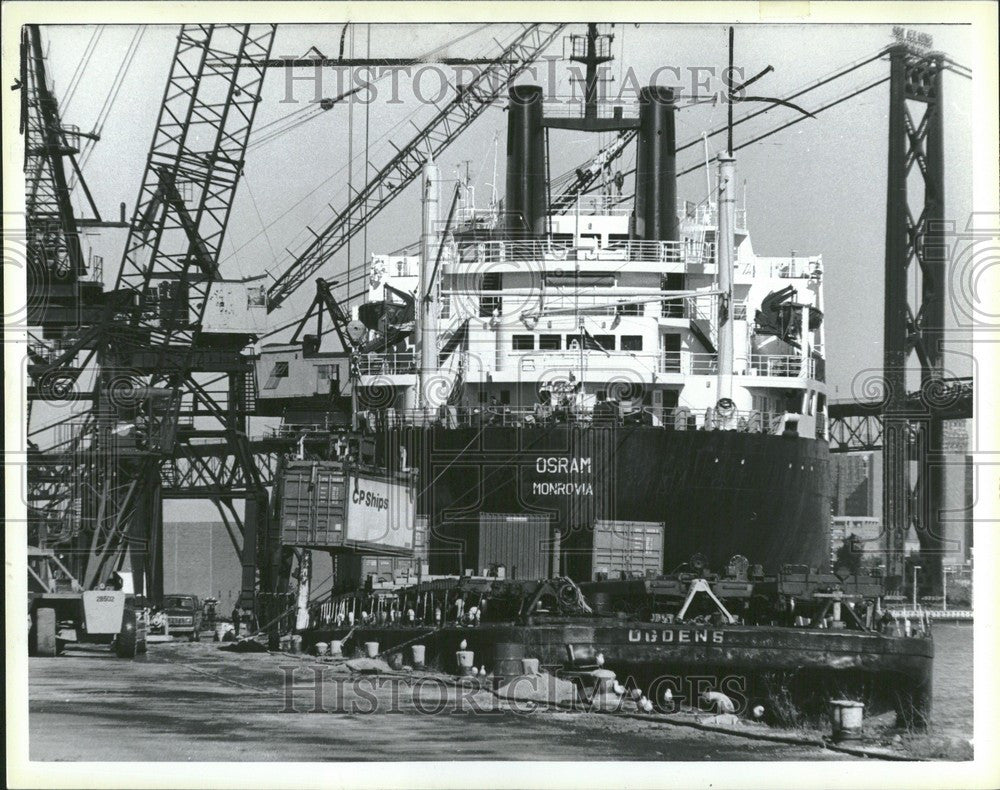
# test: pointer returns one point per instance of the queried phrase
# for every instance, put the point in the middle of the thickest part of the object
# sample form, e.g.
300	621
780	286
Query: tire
192	637
126	643
46	643
197	635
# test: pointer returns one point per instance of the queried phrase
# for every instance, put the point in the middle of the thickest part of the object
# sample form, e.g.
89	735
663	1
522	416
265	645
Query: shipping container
522	544
323	505
615	550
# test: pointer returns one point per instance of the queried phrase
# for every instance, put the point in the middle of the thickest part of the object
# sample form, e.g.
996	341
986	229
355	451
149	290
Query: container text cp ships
601	418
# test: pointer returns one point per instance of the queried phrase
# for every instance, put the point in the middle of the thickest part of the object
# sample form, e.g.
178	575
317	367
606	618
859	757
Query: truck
61	612
184	615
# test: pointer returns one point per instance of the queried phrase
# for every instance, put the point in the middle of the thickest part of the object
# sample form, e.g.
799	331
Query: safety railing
688	363
391	364
603	414
523	250
782	366
706	213
784	268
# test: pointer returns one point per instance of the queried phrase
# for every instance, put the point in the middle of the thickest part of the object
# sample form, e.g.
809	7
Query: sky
816	188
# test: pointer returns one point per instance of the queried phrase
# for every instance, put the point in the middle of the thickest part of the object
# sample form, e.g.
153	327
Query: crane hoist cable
81	68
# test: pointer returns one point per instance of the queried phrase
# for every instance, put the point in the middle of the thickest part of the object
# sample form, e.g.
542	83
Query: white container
848	717
465	659
322	648
371	648
336	647
529	666
419	654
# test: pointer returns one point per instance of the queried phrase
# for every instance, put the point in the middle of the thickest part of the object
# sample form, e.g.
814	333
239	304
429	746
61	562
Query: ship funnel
526	206
656	166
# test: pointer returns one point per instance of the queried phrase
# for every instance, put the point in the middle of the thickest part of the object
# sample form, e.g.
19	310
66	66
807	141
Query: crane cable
81	67
109	101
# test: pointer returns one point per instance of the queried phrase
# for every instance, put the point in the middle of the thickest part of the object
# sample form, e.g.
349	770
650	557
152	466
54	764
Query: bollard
465	660
371	648
336	647
419	655
321	648
603	680
507	658
847	717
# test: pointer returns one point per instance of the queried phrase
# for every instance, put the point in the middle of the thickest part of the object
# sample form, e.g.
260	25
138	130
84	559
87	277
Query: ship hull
792	672
718	493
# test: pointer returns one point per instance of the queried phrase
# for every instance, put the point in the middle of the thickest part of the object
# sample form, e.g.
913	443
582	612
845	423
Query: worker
236	621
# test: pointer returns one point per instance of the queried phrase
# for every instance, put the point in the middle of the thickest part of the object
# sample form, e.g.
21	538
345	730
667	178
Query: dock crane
146	335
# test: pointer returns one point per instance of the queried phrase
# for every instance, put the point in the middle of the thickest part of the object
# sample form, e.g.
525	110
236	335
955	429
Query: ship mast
426	308
724	246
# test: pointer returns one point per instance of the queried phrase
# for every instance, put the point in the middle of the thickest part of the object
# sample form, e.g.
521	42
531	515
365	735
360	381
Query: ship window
492	281
505	397
327	372
523	342
489	304
483	396
549	342
279	371
631	343
606	342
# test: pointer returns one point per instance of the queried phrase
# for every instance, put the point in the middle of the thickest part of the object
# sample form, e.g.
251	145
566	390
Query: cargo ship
608	395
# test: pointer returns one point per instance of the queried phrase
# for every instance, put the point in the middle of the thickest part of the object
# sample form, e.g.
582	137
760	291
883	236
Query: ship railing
523	250
393	363
587	205
793	268
606	414
782	366
706	213
683	418
703	308
688	363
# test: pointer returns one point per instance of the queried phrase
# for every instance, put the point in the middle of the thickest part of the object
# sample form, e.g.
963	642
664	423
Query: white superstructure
592	314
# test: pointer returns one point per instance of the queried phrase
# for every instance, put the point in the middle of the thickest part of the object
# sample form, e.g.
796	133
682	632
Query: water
952	712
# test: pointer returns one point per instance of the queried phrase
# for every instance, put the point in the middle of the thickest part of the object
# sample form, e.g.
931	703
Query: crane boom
194	165
589	172
470	101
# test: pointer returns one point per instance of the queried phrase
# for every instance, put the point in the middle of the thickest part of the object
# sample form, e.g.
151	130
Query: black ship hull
718	493
792	672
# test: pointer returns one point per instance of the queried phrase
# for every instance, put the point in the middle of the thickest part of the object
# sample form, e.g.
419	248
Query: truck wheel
127	641
45	640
